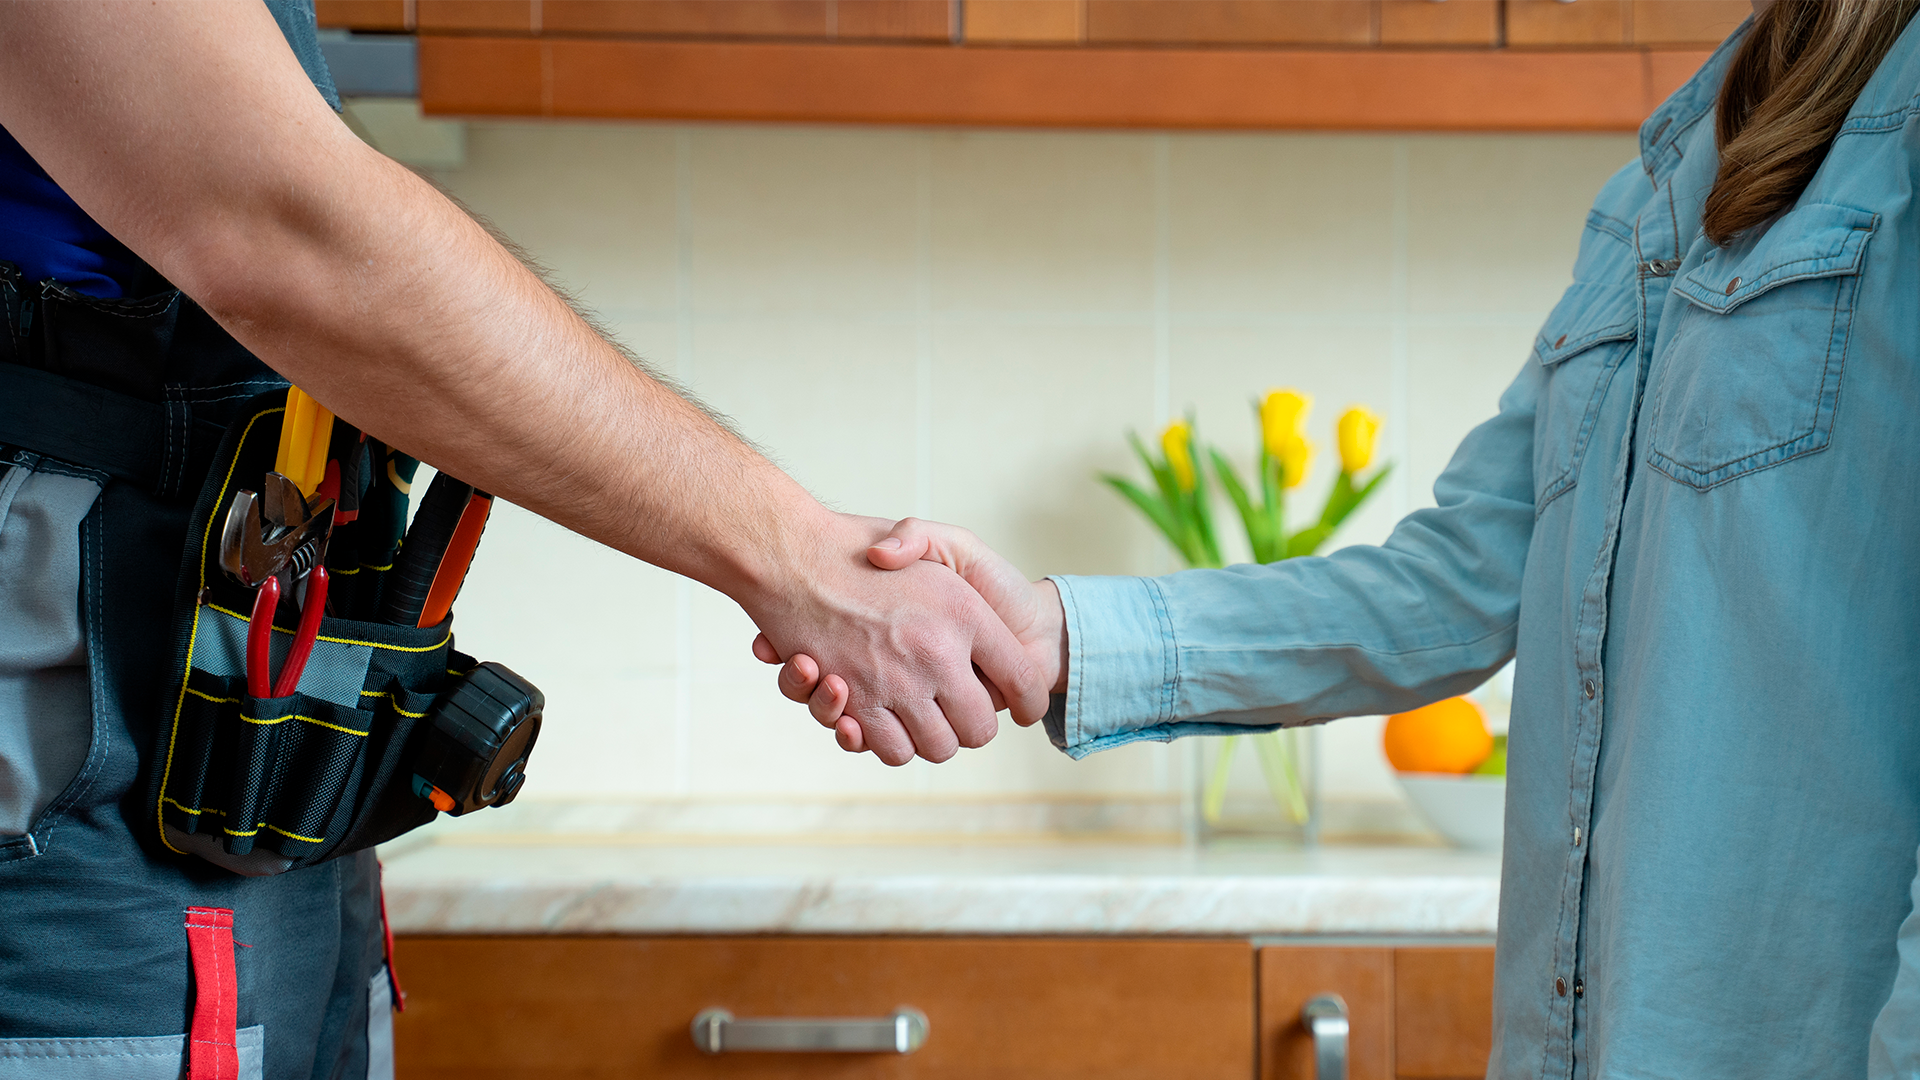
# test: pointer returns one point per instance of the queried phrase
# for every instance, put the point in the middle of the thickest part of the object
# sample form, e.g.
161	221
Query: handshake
912	645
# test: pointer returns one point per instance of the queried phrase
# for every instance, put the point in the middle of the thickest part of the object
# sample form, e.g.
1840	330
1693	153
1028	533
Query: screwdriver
305	432
410	581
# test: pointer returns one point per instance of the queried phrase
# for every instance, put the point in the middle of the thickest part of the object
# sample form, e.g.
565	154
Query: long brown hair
1786	94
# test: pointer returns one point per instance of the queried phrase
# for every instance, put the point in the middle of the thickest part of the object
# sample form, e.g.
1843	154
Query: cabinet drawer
1687	22
1567	22
590	1007
1229	22
1427	22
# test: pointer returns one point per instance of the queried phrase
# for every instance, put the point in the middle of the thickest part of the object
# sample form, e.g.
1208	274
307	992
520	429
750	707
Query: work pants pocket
149	1057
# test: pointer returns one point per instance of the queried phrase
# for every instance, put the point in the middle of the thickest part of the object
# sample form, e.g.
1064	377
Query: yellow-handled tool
305	432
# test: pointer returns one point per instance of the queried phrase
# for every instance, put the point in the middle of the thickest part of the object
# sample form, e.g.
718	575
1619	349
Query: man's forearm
373	292
190	132
431	310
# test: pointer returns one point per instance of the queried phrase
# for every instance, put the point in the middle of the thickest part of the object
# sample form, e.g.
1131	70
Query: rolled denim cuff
1122	665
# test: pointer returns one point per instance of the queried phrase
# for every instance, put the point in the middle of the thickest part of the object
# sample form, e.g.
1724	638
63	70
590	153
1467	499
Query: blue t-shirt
47	235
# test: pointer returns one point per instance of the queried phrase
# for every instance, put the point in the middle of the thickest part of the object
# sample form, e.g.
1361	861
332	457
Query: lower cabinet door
1413	1012
592	1007
1443	1012
1292	975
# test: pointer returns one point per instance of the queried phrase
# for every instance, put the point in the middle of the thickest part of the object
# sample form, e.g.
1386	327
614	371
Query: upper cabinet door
1687	22
1230	22
1568	22
1459	23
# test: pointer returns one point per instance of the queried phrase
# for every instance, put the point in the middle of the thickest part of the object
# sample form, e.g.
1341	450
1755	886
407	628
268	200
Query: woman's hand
1031	610
926	661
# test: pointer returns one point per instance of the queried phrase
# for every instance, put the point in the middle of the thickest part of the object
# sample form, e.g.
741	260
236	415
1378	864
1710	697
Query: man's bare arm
190	132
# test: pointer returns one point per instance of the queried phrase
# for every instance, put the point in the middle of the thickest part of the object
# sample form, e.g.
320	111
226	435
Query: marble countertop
530	885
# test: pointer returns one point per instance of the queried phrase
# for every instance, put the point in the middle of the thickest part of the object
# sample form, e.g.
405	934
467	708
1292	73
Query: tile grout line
1400	323
683	369
923	362
1528	321
1164	772
923	329
1162	281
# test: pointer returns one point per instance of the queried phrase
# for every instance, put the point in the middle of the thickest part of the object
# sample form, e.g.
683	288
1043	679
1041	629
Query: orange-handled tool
454	564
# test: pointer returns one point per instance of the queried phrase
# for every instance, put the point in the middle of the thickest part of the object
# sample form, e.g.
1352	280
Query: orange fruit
1445	737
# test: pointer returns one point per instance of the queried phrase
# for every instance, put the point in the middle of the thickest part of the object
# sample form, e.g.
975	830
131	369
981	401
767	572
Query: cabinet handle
1326	1017
716	1031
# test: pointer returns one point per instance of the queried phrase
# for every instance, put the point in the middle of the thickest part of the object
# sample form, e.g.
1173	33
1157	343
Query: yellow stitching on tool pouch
395	704
258	825
296	716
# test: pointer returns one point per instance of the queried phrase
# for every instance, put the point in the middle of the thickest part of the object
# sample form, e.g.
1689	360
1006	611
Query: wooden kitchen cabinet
1427	22
1292	975
821	20
1229	22
1687	22
590	1007
1026	21
1416	1012
1442	1012
1656	23
1341	65
1568	22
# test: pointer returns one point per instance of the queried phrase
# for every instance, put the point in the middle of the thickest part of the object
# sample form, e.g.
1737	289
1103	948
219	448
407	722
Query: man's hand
1030	610
904	641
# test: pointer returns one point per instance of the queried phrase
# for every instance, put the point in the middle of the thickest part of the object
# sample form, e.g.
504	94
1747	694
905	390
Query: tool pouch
265	785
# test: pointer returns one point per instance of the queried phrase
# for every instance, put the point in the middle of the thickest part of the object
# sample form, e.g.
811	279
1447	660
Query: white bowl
1470	811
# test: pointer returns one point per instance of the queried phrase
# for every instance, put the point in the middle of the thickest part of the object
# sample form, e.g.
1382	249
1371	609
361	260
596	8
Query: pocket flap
1814	241
1588	313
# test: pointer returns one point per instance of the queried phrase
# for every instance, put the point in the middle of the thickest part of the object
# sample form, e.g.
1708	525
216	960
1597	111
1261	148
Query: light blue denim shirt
1696	522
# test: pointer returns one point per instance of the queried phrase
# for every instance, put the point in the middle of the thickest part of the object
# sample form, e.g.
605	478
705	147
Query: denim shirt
1694	521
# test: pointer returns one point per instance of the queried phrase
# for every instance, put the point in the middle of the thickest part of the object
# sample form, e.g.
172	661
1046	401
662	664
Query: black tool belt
382	725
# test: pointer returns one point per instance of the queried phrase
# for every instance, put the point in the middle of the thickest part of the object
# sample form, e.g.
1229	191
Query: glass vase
1261	786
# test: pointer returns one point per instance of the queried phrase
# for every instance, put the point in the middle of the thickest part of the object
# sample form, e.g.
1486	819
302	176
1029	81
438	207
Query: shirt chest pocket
1749	375
1586	337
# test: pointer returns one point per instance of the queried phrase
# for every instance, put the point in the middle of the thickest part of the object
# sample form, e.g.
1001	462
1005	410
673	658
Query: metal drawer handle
1326	1017
715	1031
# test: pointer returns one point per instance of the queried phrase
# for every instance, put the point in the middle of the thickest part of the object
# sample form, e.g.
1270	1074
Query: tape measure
473	750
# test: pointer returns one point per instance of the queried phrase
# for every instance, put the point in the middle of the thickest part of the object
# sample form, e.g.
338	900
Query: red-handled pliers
266	601
267	535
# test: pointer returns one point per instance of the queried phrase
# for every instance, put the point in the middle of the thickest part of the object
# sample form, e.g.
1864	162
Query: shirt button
1588	689
1579	989
1560	987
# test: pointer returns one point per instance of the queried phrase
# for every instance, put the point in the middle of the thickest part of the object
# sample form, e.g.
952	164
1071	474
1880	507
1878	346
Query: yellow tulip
1294	457
1359	427
1283	415
1177	441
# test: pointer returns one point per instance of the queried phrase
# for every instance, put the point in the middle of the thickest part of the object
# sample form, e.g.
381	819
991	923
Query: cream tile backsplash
963	325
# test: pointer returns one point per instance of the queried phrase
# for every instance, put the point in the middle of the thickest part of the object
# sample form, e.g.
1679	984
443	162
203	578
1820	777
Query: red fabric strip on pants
211	1054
